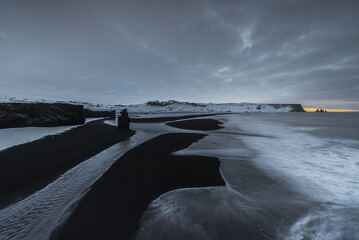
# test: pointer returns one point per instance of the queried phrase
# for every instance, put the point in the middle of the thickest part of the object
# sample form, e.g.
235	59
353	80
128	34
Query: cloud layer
122	52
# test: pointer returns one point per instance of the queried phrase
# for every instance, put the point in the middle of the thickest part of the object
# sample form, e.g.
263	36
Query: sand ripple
37	215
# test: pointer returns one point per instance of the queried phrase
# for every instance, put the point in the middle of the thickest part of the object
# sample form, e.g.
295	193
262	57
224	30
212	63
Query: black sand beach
174	118
31	166
197	124
114	205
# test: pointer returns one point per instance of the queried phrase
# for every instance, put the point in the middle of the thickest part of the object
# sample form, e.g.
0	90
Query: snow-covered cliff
176	106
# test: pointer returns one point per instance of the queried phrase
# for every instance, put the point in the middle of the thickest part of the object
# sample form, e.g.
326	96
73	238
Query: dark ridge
115	204
170	102
166	119
31	166
295	107
197	124
95	114
40	114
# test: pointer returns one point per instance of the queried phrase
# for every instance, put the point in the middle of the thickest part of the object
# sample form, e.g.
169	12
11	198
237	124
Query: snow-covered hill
176	106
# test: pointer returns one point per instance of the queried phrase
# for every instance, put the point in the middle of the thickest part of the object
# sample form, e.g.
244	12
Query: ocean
288	176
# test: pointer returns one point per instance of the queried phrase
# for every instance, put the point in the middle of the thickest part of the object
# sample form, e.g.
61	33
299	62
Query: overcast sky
124	52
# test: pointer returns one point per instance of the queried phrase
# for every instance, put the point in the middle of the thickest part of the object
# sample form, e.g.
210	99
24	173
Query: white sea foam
328	166
316	154
324	167
331	222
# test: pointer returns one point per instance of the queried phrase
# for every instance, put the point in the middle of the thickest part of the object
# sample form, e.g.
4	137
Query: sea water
318	153
314	154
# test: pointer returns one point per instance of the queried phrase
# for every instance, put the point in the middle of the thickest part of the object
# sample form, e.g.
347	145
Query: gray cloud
208	51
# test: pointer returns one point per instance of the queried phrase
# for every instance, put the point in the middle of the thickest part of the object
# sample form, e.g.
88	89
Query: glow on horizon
329	110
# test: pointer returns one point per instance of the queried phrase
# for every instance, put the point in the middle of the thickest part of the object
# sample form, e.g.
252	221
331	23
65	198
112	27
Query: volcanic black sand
174	118
29	167
197	124
114	205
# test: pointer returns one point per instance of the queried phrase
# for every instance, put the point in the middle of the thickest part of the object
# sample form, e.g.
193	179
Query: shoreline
28	167
123	202
174	118
196	124
116	202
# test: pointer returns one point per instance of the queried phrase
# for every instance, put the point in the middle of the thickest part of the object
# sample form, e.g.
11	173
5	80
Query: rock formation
295	107
124	120
40	114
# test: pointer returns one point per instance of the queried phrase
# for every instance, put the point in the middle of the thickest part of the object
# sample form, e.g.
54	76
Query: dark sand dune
114	205
197	124
166	119
29	167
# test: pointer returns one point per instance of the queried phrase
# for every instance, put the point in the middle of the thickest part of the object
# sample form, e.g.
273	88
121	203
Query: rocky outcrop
295	107
40	114
176	106
95	114
172	102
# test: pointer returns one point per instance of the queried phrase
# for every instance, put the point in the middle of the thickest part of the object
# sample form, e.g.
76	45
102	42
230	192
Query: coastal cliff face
107	110
40	114
297	108
176	106
294	107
